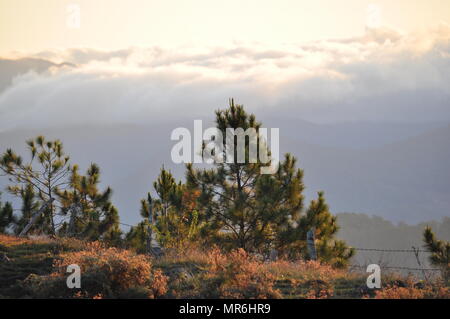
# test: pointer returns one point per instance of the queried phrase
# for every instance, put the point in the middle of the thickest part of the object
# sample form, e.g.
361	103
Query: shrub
237	275
410	291
105	273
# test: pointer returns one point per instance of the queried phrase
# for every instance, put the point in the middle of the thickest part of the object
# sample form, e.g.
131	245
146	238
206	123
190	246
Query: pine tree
47	170
94	217
146	208
137	237
174	217
167	191
7	218
260	212
30	204
324	224
440	252
177	221
249	207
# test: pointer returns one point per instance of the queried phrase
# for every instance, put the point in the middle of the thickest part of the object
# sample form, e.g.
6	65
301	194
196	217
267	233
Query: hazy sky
31	26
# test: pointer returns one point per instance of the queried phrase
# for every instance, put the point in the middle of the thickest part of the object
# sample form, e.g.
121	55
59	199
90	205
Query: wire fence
399	268
415	251
353	266
392	250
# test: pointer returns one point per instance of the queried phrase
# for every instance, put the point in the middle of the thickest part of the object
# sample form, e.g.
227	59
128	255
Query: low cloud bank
381	76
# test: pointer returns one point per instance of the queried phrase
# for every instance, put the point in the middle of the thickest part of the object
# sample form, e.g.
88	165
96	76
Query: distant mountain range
401	177
378	237
399	171
406	180
11	68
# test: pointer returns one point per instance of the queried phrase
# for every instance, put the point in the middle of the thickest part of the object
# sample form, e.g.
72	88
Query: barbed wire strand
399	267
391	250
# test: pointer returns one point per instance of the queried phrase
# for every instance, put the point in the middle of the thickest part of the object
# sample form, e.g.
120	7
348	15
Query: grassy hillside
36	268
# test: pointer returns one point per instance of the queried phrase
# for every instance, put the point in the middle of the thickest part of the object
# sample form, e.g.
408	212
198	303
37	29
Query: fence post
310	240
416	253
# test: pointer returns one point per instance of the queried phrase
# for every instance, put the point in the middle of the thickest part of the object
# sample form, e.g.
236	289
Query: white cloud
382	75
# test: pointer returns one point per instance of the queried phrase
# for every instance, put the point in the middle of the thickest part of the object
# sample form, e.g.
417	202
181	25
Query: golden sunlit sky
32	26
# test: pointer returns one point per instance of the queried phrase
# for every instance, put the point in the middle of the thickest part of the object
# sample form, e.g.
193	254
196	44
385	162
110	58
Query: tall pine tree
260	212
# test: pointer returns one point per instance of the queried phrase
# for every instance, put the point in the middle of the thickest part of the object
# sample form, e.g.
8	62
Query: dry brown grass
306	279
411	291
37	269
10	241
239	275
119	269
